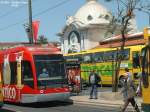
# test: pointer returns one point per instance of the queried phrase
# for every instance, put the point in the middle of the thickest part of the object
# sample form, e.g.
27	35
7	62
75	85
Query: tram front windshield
50	71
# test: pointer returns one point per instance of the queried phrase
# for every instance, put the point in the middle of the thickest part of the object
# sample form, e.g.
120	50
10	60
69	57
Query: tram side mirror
145	79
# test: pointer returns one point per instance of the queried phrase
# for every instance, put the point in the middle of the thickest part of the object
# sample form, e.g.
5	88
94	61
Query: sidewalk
104	99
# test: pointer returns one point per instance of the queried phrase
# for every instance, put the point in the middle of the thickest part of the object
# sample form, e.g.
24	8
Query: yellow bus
1	96
103	61
146	72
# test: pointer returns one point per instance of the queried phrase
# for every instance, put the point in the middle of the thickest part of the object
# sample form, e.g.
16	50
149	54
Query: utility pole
30	21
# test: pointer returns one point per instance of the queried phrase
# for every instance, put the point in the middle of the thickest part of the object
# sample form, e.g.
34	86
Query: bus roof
135	47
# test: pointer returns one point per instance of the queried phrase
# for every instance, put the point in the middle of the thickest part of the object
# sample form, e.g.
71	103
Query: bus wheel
121	81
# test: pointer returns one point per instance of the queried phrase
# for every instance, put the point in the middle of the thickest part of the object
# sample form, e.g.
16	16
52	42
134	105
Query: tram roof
32	49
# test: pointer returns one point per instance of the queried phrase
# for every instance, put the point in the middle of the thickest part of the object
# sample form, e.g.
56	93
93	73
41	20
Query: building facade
89	26
86	28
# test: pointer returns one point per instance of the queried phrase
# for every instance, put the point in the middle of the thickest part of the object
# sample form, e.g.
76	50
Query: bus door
146	78
136	64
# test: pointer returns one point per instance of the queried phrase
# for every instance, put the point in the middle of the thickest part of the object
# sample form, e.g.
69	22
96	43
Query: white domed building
86	28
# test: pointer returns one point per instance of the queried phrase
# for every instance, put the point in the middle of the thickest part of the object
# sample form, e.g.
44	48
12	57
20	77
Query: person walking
139	88
128	91
93	81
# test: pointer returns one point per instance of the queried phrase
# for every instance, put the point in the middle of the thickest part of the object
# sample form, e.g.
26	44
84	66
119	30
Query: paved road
59	107
62	107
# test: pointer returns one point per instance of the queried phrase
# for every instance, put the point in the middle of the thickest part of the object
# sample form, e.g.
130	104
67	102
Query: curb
96	104
99	102
103	104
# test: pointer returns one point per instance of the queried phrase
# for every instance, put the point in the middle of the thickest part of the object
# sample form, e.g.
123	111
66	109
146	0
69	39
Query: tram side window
13	68
6	74
27	74
136	59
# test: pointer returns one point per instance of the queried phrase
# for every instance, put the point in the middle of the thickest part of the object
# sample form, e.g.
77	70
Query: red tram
22	68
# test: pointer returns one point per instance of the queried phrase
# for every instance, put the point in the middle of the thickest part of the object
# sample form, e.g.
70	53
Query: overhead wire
11	11
38	14
51	8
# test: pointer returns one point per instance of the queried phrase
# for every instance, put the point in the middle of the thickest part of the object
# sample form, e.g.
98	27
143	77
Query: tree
42	40
125	12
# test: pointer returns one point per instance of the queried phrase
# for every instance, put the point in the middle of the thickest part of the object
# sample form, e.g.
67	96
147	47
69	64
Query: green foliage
42	40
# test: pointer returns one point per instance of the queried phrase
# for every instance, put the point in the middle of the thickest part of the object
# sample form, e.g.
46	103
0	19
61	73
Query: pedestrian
93	81
128	91
139	88
44	73
127	73
43	77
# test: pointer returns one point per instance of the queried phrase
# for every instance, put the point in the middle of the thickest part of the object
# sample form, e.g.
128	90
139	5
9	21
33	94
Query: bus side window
27	75
109	56
124	54
98	57
105	58
136	59
87	58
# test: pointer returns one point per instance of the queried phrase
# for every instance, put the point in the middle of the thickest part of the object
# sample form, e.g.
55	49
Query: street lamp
30	21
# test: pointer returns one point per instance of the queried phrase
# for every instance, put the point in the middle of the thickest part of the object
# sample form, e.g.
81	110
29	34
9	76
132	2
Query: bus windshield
50	70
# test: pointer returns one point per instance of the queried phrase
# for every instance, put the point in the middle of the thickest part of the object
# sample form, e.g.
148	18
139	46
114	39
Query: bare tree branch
124	14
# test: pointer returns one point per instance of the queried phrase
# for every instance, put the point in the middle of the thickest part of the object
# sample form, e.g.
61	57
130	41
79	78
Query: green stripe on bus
103	69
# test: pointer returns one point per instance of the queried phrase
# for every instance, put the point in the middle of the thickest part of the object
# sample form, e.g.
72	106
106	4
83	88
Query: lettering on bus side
9	92
105	70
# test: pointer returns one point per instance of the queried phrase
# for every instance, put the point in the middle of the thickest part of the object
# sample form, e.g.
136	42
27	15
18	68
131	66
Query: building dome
93	13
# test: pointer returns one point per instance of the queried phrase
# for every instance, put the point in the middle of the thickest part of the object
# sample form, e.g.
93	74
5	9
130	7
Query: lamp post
30	21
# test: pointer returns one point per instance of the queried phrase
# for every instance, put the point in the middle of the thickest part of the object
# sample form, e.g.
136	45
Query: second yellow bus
103	61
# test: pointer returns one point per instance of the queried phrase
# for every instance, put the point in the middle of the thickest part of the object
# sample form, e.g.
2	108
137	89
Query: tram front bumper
32	98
